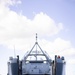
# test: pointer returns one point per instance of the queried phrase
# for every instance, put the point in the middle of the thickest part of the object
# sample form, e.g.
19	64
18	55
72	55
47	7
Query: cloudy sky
53	20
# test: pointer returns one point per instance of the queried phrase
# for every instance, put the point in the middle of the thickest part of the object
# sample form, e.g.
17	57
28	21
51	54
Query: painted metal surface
36	62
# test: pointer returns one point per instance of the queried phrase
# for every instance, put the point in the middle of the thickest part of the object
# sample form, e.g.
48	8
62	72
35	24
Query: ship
36	62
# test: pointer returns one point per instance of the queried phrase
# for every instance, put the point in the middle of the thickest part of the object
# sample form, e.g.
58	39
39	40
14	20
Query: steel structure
36	62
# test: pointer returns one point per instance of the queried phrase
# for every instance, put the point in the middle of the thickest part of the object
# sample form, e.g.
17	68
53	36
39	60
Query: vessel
36	62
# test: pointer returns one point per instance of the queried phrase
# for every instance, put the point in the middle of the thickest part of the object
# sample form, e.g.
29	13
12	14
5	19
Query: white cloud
10	2
71	61
17	26
58	47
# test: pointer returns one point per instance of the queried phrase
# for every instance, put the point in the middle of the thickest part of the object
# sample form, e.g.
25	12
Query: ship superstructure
36	62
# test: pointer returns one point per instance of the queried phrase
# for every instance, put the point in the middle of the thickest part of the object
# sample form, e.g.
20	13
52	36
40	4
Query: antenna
36	46
36	37
14	52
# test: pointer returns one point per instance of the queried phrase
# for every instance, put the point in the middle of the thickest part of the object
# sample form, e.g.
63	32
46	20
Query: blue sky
59	10
53	20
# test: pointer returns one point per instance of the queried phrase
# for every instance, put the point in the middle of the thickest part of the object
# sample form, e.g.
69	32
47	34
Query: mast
36	46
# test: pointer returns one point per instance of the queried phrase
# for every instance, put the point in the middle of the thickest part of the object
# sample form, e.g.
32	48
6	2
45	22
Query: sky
52	20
